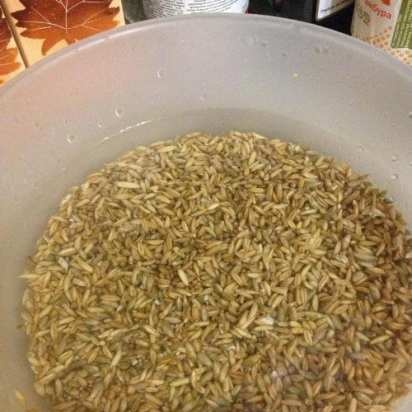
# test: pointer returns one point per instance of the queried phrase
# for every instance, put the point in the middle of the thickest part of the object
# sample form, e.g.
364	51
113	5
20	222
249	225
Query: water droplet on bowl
394	158
360	148
395	176
118	113
284	54
410	163
410	115
70	138
321	49
250	41
160	73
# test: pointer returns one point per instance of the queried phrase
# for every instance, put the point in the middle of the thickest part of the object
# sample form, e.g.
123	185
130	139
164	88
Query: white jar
165	8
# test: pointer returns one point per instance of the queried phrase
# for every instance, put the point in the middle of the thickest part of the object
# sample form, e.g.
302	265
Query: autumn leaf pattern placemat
45	26
10	60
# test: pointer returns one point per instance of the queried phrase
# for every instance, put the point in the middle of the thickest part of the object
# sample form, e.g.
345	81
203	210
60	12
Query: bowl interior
69	115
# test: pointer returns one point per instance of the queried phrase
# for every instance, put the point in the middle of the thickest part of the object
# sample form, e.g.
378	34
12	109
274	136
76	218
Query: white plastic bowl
73	112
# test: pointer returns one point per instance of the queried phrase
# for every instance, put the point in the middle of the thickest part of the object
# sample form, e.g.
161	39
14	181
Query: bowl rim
341	39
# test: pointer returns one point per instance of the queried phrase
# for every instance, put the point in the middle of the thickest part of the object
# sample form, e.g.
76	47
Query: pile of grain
232	273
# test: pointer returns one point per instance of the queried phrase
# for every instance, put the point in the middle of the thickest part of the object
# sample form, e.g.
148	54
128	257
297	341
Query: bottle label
326	8
164	8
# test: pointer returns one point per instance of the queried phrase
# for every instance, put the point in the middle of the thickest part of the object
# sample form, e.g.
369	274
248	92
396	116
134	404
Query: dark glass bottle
333	14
